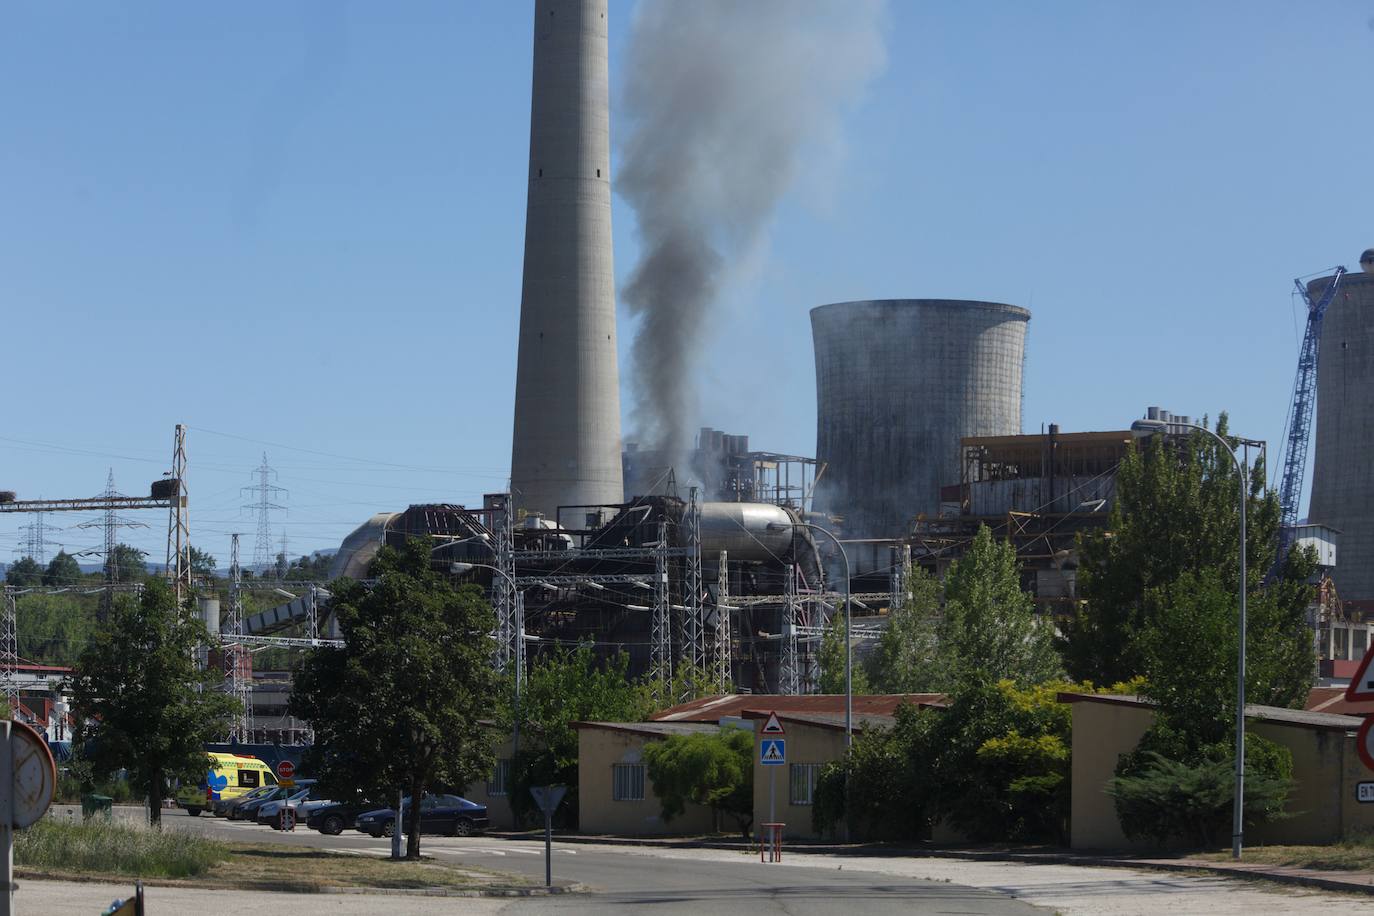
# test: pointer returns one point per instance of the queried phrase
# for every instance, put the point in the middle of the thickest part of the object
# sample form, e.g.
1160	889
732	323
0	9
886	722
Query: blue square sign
773	752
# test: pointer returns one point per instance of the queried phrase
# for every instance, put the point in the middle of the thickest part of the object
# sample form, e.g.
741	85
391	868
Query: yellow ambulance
227	777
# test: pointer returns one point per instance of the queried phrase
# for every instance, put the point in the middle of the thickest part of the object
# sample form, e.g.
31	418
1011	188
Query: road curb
1293	877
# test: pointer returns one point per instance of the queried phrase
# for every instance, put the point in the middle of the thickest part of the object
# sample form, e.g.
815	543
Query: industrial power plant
728	558
733	560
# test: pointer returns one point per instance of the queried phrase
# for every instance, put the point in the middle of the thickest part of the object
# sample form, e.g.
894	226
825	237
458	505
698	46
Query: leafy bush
715	770
99	846
994	764
886	785
1163	793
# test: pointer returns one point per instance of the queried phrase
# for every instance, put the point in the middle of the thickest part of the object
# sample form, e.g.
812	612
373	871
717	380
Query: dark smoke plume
721	99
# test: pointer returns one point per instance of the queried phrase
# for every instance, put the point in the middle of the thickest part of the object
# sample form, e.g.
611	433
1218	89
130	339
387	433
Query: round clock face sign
35	774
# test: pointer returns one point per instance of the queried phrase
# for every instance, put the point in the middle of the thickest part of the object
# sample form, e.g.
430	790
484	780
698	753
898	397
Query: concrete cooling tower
566	448
1343	470
898	383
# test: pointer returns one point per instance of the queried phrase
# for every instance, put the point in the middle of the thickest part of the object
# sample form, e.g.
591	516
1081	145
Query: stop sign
286	769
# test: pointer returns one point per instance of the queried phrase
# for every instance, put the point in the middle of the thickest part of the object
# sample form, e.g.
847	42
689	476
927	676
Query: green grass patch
106	847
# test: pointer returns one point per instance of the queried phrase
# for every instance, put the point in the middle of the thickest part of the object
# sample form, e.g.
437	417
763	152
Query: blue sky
297	228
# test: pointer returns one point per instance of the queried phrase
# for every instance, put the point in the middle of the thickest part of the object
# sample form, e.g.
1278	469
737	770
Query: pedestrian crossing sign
773	752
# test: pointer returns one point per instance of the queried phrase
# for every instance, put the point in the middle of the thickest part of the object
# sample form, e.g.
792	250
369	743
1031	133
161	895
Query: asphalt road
630	881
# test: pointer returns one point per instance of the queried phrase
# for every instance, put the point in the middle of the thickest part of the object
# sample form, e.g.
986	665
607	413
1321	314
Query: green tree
562	687
400	704
907	658
142	702
129	563
990	629
24	572
202	564
831	660
1176	512
62	570
711	769
885	792
314	568
56	628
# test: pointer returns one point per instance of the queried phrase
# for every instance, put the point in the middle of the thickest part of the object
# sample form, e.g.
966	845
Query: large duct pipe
566	448
898	383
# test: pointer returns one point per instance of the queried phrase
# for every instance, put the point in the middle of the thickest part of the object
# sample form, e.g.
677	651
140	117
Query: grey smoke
721	101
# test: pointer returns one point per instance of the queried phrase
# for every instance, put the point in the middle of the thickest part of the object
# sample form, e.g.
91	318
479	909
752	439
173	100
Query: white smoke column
721	100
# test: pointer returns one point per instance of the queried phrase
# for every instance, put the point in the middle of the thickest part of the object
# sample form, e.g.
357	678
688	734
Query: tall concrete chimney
567	385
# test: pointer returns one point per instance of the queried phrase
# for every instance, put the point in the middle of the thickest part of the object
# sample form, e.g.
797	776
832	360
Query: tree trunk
155	798
413	819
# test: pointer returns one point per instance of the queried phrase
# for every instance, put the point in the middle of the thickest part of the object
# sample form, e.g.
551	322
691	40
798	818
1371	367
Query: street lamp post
1238	800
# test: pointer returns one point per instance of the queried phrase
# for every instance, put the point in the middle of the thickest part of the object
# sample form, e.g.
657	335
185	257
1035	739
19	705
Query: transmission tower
35	545
178	566
508	644
263	492
660	625
720	644
791	675
694	622
237	657
111	523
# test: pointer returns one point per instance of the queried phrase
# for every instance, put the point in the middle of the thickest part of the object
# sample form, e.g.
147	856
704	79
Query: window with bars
499	783
627	782
803	779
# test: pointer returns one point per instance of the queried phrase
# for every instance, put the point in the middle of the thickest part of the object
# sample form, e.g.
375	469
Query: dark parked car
446	814
336	818
249	810
221	806
233	810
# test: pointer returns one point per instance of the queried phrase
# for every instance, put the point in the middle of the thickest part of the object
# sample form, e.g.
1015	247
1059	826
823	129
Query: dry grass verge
1350	855
100	849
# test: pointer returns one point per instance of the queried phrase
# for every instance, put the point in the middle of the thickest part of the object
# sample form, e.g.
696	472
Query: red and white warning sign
772	726
1362	684
1364	742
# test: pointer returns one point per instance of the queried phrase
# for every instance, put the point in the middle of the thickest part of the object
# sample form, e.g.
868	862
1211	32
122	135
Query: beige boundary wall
1326	768
810	743
487	791
601	746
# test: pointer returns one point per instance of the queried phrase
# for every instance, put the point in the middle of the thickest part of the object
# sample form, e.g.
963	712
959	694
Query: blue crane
1300	419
